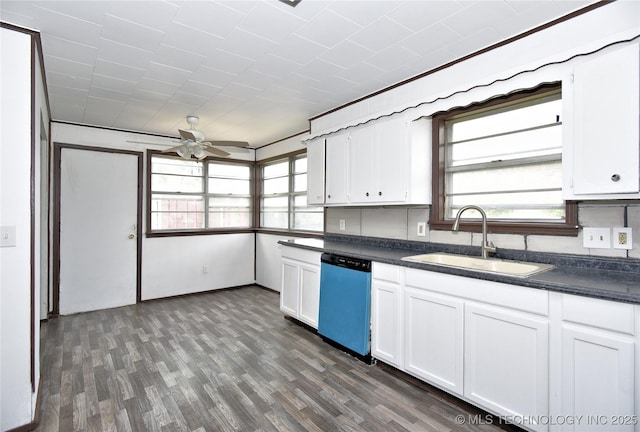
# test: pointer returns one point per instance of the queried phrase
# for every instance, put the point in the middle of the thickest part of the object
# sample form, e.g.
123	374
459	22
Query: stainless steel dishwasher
345	302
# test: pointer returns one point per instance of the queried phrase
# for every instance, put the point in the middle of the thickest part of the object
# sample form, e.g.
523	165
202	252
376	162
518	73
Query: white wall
16	398
174	265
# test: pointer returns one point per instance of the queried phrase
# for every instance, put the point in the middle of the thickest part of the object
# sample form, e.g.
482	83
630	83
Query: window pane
229	212
175	183
516	117
276	170
275	185
508	147
300	165
306	218
229	171
176	212
275	220
167	165
300	183
229	186
516	178
275	203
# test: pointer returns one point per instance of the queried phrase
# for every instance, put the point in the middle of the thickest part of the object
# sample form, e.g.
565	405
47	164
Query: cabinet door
605	127
386	323
309	294
289	293
434	338
390	169
506	361
362	146
337	159
315	172
597	379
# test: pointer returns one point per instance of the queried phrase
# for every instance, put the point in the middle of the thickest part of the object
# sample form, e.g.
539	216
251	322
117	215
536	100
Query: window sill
559	229
182	233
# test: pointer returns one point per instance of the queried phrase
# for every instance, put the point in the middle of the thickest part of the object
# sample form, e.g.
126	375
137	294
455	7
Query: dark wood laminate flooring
223	361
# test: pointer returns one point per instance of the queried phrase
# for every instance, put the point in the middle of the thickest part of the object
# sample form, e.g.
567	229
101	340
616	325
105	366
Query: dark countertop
604	278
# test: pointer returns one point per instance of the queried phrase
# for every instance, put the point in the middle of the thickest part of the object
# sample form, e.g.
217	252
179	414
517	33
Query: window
283	199
199	195
506	157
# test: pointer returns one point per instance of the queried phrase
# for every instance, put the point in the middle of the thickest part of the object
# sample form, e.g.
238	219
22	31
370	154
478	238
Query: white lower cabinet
597	379
386	314
544	361
597	364
506	362
300	291
434	338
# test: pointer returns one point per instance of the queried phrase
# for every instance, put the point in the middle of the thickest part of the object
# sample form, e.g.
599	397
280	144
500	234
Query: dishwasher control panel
346	262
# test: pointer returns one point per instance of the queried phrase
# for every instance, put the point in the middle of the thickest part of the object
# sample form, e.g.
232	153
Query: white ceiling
252	70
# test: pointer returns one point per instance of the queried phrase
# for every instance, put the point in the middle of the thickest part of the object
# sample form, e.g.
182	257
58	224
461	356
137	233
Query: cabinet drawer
599	313
511	296
386	272
303	255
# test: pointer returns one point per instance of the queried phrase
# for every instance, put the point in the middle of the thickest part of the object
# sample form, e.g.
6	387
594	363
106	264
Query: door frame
57	193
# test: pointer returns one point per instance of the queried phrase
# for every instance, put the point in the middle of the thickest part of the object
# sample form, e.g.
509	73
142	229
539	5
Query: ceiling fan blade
215	151
187	135
230	143
171	149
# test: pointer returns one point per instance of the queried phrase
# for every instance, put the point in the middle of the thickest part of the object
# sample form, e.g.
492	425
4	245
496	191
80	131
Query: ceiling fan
192	143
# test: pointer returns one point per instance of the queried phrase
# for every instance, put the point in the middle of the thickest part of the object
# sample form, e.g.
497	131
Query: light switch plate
596	238
622	238
7	236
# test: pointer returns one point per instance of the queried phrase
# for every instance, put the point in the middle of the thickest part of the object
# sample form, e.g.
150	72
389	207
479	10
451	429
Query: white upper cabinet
387	161
377	155
315	172
337	159
601	152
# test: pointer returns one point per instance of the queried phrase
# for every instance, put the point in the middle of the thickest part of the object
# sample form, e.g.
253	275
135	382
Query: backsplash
401	223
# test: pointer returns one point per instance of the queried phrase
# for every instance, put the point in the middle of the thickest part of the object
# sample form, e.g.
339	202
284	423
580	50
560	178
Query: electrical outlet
622	238
342	225
205	268
596	238
422	229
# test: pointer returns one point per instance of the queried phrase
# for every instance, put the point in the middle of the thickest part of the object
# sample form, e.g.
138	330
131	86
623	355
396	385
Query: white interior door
98	230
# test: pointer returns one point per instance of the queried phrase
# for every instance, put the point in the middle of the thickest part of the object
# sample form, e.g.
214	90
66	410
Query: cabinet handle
380	193
615	178
329	196
366	194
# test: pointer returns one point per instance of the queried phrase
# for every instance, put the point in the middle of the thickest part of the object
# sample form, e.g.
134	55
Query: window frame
437	220
291	194
205	194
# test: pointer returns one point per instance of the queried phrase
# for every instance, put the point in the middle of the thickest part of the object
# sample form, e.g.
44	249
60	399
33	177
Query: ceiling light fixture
292	3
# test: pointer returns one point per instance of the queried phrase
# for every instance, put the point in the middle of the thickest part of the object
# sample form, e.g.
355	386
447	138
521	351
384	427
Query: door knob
615	177
132	236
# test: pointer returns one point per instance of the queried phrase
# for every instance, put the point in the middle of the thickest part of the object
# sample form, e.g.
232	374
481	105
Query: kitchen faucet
486	246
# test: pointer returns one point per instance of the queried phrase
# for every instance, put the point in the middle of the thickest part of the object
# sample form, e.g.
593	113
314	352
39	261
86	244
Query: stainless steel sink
489	265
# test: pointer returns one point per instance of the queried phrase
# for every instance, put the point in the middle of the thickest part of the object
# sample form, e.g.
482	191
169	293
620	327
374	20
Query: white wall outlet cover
622	238
596	238
8	236
422	229
342	223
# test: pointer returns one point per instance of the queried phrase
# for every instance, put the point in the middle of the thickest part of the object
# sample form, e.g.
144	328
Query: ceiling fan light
184	151
199	153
